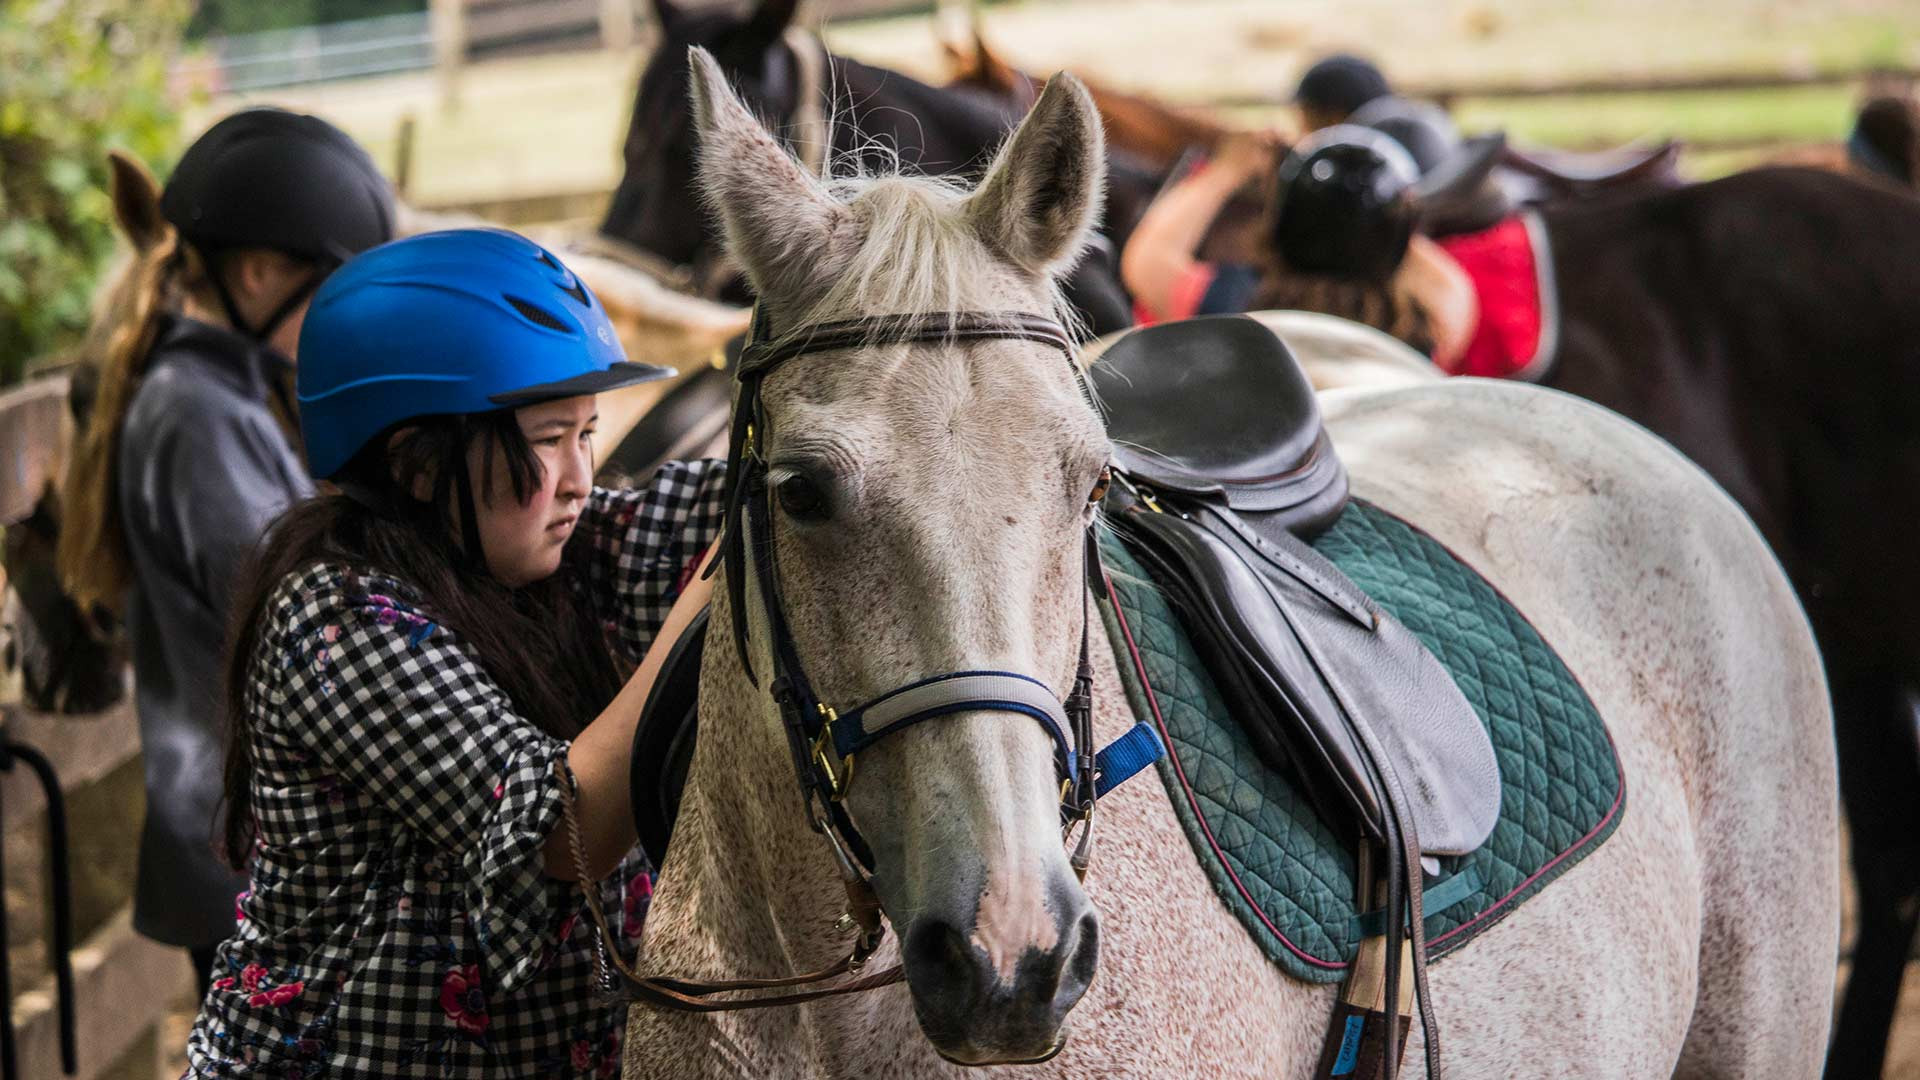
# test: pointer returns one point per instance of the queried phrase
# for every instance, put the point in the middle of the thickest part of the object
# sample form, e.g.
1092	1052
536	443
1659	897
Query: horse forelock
914	251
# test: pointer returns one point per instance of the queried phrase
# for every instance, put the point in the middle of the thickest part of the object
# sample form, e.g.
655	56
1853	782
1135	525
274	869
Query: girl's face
523	540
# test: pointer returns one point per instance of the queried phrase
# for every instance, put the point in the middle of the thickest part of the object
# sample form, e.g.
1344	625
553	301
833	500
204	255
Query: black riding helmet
268	178
1340	83
1422	127
1344	204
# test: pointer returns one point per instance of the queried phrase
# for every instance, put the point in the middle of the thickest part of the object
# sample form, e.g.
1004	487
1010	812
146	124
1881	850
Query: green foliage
77	78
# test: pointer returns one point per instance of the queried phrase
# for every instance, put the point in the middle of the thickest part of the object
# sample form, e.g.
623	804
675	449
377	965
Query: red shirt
1500	262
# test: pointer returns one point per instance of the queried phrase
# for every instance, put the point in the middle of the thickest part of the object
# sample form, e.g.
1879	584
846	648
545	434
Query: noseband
825	743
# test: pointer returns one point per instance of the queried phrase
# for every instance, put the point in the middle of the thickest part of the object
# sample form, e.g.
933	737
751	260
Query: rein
825	743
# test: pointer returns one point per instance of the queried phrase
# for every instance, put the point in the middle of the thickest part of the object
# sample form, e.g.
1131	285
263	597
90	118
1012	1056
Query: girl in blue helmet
427	656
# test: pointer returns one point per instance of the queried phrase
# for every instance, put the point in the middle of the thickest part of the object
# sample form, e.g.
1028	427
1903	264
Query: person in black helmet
1341	216
1334	87
189	455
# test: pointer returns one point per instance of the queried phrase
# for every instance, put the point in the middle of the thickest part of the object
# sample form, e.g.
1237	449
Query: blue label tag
1349	1045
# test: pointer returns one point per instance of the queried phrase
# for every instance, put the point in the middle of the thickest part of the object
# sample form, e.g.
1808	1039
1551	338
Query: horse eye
1100	486
803	500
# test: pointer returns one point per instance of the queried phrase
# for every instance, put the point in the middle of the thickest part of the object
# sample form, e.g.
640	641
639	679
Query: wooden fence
125	986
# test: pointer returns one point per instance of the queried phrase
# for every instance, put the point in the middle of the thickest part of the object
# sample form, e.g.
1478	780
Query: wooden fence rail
125	985
1448	93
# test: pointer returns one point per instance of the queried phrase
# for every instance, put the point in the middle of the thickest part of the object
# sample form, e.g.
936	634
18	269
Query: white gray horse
935	519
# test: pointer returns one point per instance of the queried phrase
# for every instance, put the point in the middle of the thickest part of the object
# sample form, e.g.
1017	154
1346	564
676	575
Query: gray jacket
204	469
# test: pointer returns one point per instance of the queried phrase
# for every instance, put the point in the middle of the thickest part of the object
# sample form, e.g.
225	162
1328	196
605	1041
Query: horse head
652	208
928	504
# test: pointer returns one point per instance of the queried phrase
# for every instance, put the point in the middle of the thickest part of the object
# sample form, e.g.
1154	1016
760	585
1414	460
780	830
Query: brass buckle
838	781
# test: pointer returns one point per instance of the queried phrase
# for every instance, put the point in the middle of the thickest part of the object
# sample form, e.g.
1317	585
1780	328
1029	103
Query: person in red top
1345	212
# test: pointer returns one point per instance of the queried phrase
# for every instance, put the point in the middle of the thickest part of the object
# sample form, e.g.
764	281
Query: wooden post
616	24
403	155
954	21
447	20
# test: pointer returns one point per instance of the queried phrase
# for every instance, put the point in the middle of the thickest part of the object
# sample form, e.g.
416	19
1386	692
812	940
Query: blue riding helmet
448	323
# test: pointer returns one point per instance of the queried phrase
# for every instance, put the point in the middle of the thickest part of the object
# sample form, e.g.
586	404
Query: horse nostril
940	949
1083	961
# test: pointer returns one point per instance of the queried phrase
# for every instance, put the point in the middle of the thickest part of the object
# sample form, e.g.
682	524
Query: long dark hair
540	642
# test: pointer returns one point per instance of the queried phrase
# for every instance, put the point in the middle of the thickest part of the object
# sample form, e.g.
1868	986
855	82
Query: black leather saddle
1226	473
663	741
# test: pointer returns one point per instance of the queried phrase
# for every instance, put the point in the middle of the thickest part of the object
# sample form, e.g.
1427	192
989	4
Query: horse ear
777	218
769	21
1044	191
136	201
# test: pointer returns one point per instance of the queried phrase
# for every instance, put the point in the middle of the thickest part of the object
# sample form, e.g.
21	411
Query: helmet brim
622	373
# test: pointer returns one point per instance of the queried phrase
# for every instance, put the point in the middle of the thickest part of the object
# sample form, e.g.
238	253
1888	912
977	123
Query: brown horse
1766	324
1155	134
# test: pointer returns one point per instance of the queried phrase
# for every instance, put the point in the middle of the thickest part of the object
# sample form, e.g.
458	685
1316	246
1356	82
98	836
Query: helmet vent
538	315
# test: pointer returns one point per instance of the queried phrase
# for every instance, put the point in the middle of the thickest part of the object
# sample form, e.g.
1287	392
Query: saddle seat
1226	473
1532	176
1215	407
1596	168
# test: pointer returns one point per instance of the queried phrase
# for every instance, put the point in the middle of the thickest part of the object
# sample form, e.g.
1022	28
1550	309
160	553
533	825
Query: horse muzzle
998	992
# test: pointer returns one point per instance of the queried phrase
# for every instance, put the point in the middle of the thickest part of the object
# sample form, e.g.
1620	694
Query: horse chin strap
825	743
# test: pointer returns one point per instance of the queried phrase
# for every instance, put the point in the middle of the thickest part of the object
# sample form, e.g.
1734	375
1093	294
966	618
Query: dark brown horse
1768	325
877	115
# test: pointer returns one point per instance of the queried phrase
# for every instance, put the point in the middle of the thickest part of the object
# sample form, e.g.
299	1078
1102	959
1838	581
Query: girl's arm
636	548
600	757
1159	254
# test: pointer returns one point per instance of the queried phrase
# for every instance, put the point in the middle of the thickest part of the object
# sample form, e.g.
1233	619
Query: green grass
1795	114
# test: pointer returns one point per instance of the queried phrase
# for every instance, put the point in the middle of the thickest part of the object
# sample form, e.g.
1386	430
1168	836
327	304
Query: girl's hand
1247	154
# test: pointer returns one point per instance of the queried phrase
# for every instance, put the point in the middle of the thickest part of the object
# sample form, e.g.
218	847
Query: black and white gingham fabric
398	922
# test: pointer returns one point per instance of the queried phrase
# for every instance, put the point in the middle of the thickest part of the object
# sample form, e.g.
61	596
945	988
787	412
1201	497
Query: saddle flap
663	741
1301	672
1217	405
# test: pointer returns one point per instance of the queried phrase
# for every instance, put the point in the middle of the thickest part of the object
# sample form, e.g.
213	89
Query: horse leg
1879	777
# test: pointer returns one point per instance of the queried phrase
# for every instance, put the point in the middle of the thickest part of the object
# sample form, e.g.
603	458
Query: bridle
824	743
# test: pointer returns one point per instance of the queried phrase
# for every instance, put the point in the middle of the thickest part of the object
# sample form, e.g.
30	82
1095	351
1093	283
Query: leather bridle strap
764	351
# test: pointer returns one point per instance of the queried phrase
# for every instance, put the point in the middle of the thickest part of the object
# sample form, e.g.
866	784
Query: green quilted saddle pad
1285	874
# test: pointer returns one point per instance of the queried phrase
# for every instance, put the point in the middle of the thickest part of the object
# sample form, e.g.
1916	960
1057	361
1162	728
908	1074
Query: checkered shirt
398	921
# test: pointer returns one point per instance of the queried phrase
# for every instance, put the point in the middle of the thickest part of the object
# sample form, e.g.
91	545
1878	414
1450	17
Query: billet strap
1456	889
